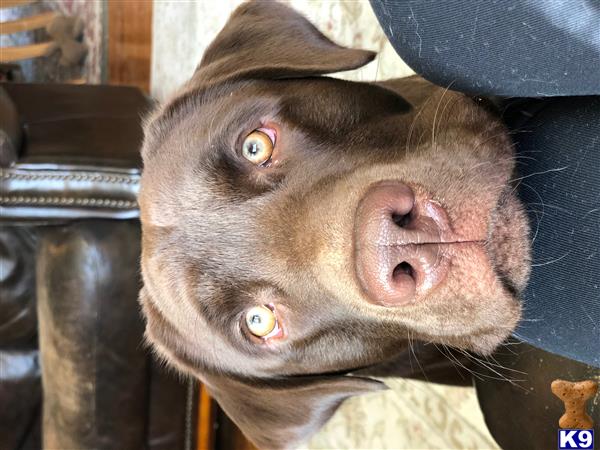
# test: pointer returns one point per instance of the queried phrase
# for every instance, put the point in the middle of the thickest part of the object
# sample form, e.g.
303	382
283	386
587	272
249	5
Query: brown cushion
10	131
80	156
74	124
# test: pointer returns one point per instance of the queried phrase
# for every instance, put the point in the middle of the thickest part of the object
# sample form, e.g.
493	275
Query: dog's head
297	228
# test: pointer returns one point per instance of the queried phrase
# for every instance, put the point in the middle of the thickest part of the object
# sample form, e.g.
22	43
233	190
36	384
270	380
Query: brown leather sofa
74	370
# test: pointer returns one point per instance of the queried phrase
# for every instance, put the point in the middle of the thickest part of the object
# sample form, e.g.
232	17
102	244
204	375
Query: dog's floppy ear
271	40
273	414
282	414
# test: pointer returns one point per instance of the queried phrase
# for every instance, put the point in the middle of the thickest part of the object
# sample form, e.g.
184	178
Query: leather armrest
80	157
41	192
10	131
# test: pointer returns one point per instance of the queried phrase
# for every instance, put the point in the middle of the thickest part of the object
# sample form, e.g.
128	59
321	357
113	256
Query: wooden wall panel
205	429
130	42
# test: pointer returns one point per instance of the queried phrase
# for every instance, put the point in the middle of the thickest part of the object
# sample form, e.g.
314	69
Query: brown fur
221	235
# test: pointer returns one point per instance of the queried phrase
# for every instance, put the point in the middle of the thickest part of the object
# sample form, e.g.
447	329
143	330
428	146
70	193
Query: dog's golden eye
261	321
258	147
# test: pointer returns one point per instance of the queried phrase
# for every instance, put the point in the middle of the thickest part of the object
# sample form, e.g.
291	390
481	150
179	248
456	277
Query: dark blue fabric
558	150
524	48
530	48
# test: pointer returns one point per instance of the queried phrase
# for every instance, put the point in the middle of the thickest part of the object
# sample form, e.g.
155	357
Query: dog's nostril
401	220
403	268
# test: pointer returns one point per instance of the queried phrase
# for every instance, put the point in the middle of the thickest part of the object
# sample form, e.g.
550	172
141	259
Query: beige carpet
411	415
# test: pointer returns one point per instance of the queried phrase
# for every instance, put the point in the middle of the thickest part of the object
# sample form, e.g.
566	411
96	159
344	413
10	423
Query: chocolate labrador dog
298	230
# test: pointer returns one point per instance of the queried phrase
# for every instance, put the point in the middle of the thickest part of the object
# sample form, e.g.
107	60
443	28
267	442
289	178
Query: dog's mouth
508	242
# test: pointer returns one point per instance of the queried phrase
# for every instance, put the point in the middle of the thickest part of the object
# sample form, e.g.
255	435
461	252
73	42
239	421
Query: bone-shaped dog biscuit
575	395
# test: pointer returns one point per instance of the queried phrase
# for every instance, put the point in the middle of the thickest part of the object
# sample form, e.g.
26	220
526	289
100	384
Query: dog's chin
508	242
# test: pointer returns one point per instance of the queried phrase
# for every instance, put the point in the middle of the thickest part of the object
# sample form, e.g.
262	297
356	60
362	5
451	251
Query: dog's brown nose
397	244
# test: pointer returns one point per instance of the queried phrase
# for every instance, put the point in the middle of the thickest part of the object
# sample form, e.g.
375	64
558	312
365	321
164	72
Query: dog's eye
261	321
258	146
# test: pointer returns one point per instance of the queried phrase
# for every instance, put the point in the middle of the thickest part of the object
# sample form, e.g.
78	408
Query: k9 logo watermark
576	424
568	439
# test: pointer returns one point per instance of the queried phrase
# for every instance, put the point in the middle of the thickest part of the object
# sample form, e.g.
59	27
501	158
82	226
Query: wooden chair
62	31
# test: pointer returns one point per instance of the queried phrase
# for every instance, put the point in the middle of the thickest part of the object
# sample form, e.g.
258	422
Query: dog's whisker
494	163
413	124
440	122
412	350
436	113
452	360
488	366
539	218
454	365
489	138
480	376
409	350
495	363
559	169
377	68
552	261
437	132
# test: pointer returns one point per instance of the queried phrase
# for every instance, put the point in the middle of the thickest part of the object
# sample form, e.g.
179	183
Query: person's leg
524	48
519	48
558	151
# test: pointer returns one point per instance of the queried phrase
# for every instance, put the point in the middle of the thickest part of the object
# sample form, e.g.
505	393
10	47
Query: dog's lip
504	240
